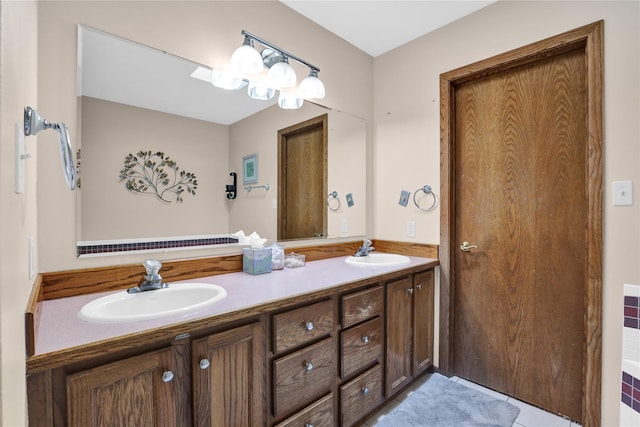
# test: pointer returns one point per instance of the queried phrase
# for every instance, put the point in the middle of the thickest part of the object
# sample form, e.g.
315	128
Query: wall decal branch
155	173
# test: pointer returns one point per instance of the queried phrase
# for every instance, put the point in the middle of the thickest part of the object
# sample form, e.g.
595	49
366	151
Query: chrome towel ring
331	197
427	190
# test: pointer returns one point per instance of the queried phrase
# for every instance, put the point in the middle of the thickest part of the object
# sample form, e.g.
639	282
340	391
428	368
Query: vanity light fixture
290	101
246	59
247	63
260	90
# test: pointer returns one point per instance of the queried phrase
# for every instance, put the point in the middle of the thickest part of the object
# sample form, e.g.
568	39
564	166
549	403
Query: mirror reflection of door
302	179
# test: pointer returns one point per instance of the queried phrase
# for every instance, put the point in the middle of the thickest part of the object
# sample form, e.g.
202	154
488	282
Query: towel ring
333	196
427	190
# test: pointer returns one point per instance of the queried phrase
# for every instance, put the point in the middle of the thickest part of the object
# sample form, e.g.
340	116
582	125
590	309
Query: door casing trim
590	38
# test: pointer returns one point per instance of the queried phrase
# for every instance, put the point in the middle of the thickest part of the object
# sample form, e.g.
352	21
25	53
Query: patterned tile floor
529	416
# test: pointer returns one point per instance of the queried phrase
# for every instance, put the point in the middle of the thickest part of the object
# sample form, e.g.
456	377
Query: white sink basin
177	299
386	260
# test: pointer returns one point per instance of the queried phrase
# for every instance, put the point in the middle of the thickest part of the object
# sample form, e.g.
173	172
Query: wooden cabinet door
228	378
399	319
138	391
422	355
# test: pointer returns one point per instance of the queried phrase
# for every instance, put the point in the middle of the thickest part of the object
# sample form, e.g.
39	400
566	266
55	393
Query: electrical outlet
411	229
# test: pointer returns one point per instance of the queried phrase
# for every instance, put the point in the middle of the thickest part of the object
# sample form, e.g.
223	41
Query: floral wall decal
155	173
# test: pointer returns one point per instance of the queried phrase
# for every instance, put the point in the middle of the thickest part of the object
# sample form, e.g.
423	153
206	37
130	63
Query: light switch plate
622	193
349	200
404	198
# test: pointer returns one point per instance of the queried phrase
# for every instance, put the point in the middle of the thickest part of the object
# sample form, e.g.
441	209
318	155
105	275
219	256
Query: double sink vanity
325	344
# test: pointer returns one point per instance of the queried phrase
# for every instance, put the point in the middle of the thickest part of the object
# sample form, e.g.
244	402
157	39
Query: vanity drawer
302	325
360	306
361	396
303	376
318	414
361	346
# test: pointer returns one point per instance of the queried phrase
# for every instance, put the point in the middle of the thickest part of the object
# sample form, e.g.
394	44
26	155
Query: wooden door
302	180
228	378
398	336
138	391
422	349
525	187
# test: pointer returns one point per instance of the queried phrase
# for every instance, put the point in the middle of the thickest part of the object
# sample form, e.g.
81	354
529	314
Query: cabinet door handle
167	376
365	339
204	364
410	290
308	366
419	286
308	326
365	390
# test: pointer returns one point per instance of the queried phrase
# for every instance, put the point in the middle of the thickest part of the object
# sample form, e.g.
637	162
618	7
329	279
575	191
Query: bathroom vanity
321	345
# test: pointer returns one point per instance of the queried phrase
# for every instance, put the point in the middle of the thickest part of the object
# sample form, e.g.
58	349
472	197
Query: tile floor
529	416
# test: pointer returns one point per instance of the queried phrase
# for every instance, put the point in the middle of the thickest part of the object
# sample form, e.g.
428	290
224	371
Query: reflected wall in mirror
132	97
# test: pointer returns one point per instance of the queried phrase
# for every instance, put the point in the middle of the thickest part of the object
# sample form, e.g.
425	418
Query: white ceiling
379	26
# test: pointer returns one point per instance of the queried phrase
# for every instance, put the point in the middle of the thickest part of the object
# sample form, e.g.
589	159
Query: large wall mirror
135	99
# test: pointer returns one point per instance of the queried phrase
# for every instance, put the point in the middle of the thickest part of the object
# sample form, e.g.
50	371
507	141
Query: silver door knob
466	246
167	376
204	364
365	339
365	390
308	366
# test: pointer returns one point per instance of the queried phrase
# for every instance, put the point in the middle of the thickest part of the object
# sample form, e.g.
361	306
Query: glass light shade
260	91
226	80
289	101
246	59
312	87
282	75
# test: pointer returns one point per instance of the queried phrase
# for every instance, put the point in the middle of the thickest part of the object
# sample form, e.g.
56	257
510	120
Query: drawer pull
308	366
308	425
308	326
204	364
365	339
167	376
365	390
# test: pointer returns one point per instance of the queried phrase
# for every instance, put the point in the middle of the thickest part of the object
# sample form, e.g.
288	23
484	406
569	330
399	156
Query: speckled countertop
60	328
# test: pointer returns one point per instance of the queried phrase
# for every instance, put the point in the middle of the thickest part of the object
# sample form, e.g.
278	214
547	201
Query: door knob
466	247
167	376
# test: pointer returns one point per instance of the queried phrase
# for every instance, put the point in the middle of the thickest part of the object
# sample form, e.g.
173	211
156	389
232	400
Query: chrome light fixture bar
247	61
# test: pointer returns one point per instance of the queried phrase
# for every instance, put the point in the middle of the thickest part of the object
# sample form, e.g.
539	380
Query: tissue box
256	261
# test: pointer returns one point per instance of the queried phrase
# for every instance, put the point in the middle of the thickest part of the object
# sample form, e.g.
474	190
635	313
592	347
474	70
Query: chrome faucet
152	280
365	248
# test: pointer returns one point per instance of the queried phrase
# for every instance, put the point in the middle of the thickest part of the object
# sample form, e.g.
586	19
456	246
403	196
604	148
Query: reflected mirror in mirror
134	98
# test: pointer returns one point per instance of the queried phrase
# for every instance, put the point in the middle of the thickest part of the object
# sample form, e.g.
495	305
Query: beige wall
204	32
18	86
407	132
